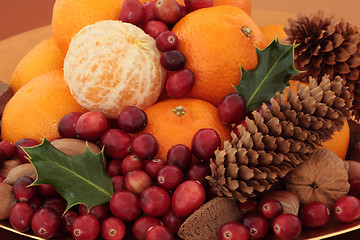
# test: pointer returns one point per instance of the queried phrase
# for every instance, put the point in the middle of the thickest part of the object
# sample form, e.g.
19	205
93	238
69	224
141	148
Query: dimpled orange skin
215	45
270	31
243	4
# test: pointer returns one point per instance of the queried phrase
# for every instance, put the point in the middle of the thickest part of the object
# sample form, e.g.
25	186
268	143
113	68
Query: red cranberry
159	232
155	201
354	187
167	41
118	183
232	108
172	222
132	119
314	214
36	202
155	27
113	167
184	11
116	143
172	60
180	83
137	181
91	125
20	216
193	5
47	190
145	146
233	231
198	172
131	163
271	209
347	208
67	123
113	228
287	226
125	205
45	222
142	225
22	191
67	219
85	227
132	11
149	11
100	211
204	143
153	166
24	142
56	203
256	224
180	156
187	198
7	149
168	11
248	206
170	177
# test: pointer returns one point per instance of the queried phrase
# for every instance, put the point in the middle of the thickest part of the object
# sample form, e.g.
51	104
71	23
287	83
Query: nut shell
72	146
289	201
7	200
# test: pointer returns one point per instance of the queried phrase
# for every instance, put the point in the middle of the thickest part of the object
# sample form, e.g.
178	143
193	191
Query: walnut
323	177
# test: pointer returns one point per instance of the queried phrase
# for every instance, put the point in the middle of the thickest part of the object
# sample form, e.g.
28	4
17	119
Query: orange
270	31
35	110
215	42
111	65
243	4
44	57
175	121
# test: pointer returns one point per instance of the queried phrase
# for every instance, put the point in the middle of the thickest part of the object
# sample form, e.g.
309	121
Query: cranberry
193	5
20	216
22	191
172	222
132	119
132	11
145	146
179	155
153	166
256	224
159	232
232	108
180	83
347	208
184	11
100	211
149	11
45	222
170	177
85	227
137	181
56	203
233	231
113	167
7	149
187	198
113	228
287	226
91	125
271	209
248	206
67	123
67	219
142	225
204	143
167	41
118	183
131	163
354	187
36	202
24	142
172	60
47	190
125	205
116	143
314	214
155	27
155	201
168	11
198	172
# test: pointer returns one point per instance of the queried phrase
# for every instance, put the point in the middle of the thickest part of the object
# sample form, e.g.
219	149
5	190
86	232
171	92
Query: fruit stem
179	111
246	31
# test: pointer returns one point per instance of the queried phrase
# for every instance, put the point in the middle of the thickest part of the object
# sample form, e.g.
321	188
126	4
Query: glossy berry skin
100	211
132	11
118	183
314	214
145	146
22	191
256	224
172	60
7	149
198	172
204	143
354	187
153	167
116	143
170	177
67	219
91	125
137	181
113	228
67	123
167	41
193	5
187	198
271	209
113	168
180	83
347	208
142	225
155	27
24	142
36	202
180	156
45	222
132	119
20	216
159	232
125	205
287	226
168	11
172	222
155	201
149	11
47	190
56	203
248	206
233	231
85	227
232	109
131	163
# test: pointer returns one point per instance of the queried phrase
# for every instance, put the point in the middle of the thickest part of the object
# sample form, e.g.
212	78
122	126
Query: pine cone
274	144
327	45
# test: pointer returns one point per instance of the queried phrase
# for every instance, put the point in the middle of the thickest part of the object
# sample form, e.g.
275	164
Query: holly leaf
272	74
78	179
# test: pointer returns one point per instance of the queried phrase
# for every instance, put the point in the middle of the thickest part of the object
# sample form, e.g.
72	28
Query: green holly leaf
272	74
78	179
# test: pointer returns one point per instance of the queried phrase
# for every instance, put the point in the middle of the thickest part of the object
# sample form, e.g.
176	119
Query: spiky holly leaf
78	179
275	68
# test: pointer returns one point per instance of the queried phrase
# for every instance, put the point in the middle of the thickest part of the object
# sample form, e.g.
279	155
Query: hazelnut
7	200
354	169
8	165
72	146
26	169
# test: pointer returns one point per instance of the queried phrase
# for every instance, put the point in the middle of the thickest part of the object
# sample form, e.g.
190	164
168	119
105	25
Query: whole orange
175	121
36	109
216	41
243	4
270	31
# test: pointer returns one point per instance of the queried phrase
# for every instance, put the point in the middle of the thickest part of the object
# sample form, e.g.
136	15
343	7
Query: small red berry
91	125
116	143
159	232
271	209
169	177
85	227
145	146
232	109
172	60
233	231
20	216
155	201
149	11
142	225
256	224
179	155
314	214
180	83
204	143
193	5
125	205
113	228
137	181
131	163
347	208
153	167
45	222
67	123
132	119
287	226
132	11
155	27
167	41
7	149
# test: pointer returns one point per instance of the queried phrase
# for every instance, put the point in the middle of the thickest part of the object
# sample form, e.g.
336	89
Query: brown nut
8	165
289	201
26	169
72	146
7	200
354	169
